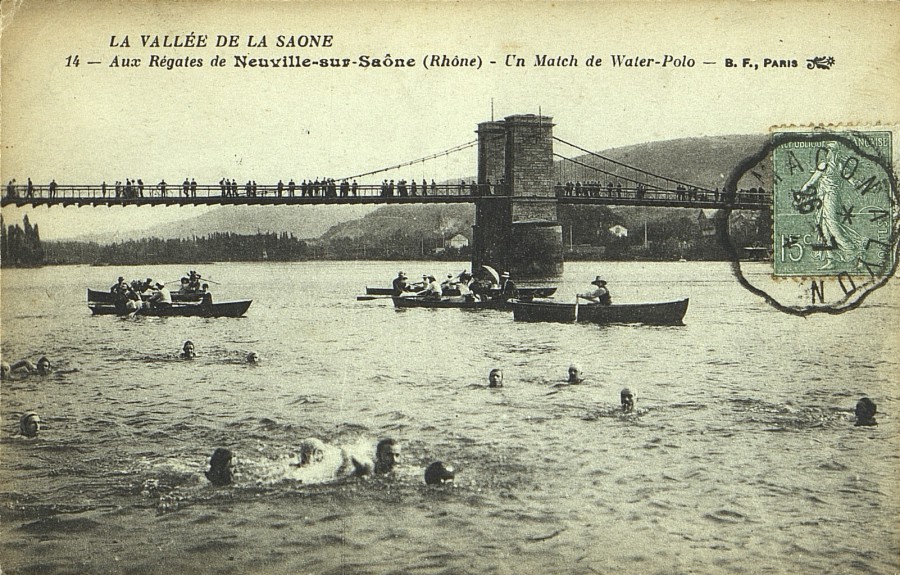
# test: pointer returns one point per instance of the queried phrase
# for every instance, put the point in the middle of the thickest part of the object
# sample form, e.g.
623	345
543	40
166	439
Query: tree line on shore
586	235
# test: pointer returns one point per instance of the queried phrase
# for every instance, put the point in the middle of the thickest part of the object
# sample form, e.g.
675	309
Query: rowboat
663	313
448	303
524	292
222	309
107	297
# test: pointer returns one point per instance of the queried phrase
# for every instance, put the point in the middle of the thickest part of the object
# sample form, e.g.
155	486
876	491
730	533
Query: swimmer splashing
839	243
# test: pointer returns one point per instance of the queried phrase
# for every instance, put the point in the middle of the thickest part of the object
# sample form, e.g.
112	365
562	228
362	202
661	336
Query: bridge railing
107	192
649	196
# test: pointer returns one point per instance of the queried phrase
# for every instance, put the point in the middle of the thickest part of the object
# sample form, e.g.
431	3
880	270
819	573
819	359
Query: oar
577	297
371	297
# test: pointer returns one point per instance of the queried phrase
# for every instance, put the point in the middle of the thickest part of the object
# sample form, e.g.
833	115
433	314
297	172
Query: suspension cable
446	152
631	167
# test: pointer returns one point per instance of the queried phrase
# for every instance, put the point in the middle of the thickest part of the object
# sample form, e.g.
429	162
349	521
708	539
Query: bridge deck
206	195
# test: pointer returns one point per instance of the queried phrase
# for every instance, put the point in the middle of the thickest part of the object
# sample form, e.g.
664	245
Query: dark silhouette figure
220	472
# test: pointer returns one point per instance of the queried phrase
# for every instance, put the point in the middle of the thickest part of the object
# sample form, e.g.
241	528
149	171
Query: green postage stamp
833	204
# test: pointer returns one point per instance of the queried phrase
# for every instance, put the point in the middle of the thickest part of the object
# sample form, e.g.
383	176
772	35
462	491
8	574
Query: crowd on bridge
681	193
134	188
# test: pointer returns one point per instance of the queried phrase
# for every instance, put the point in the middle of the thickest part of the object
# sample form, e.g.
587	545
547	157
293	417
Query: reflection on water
742	455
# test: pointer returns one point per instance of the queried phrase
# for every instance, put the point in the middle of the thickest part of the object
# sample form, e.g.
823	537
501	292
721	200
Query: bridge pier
516	227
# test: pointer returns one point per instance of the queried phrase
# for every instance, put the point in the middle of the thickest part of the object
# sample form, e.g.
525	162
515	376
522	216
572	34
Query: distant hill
304	222
704	161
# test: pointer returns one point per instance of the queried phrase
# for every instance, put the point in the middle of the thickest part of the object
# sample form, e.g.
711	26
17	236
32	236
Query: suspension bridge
522	177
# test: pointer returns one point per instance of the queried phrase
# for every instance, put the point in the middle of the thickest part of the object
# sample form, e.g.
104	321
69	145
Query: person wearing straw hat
600	295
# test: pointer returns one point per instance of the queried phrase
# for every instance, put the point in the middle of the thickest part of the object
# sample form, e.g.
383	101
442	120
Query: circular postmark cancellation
834	219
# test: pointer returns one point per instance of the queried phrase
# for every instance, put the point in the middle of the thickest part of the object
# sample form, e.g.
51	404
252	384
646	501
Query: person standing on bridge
193	188
292	187
354	188
52	188
29	189
433	187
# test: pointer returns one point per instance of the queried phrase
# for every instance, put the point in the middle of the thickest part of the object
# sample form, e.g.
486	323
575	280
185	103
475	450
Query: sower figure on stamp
840	242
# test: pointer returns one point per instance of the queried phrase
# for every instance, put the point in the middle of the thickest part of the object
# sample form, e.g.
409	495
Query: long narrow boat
448	303
98	296
524	292
662	313
222	309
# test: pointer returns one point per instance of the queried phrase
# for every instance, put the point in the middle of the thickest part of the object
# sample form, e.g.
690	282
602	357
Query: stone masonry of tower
516	228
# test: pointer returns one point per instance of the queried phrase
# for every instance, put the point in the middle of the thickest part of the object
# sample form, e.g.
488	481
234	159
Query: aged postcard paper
644	320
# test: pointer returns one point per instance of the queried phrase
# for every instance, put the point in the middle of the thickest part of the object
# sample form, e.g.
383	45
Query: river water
743	459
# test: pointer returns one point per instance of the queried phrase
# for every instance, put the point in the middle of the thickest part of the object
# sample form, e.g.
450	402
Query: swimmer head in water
311	451
252	357
575	374
29	424
438	474
43	365
495	378
387	455
5	370
627	399
220	472
865	412
187	351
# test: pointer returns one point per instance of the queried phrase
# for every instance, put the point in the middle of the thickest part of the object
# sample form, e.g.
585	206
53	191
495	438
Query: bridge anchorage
520	183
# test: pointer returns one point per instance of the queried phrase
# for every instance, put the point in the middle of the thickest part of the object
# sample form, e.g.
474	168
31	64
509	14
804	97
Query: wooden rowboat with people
661	313
404	302
221	309
524	292
107	297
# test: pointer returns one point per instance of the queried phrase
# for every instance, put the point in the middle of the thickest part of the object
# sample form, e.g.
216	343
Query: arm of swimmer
23	364
360	469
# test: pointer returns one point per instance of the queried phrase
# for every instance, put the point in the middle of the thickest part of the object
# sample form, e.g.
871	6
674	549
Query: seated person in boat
133	301
599	295
185	285
865	412
119	287
465	291
508	288
448	283
161	297
432	291
206	297
400	284
495	378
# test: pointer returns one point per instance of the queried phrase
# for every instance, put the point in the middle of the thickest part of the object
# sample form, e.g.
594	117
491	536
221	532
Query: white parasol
493	273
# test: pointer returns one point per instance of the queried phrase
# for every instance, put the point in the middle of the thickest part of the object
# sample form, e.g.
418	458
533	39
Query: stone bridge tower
516	227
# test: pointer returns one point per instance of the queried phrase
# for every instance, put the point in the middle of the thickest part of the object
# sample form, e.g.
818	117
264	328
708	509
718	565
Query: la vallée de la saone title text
231	42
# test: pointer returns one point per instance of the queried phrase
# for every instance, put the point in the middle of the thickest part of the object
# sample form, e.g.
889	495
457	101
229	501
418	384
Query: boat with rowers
524	292
657	313
222	309
403	302
106	297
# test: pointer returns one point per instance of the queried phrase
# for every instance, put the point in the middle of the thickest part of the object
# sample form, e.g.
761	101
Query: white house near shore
619	231
457	242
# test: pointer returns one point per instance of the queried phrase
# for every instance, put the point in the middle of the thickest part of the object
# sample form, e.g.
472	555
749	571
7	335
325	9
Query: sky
95	122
